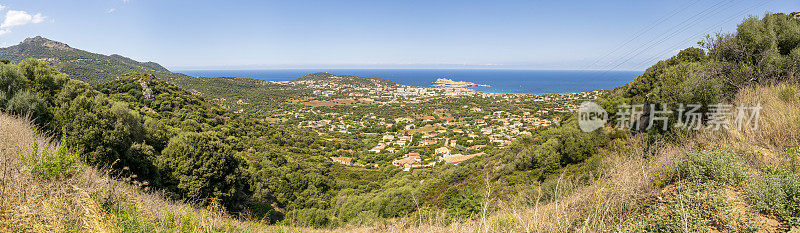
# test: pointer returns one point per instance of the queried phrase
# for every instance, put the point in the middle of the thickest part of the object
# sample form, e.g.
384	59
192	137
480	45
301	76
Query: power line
735	16
643	32
683	26
672	31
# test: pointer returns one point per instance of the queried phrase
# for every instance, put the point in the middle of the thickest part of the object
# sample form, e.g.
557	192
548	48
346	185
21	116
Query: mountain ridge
96	68
92	68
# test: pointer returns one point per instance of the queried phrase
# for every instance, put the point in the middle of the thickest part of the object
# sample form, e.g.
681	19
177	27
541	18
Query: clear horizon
263	35
379	68
497	80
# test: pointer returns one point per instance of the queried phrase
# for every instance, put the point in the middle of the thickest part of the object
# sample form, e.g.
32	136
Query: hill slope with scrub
155	137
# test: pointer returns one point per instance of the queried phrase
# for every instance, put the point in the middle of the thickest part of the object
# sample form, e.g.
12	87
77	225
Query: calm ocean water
501	81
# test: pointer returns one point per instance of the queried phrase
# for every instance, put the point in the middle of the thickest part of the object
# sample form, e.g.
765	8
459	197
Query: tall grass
779	122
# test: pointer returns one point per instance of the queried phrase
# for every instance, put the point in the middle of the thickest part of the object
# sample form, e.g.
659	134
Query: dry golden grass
780	117
779	126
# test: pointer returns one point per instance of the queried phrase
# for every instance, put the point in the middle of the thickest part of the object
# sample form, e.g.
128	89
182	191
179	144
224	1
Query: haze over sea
499	80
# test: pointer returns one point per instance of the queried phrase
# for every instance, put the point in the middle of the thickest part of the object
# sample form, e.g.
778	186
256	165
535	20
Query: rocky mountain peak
38	40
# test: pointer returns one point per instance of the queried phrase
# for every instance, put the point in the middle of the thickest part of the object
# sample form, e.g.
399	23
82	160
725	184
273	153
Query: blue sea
499	80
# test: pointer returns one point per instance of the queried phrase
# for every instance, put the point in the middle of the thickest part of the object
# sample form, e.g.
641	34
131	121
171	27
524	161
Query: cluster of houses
389	141
511	125
413	160
390	93
343	160
498	128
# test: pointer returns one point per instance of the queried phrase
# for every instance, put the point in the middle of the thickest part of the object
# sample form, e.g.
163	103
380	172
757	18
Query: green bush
394	202
553	148
44	79
3	99
11	80
199	166
700	90
777	193
48	166
793	154
698	210
465	204
98	128
691	54
140	161
26	102
712	166
311	217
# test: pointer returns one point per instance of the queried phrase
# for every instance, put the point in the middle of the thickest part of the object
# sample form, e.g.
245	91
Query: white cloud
15	18
111	10
38	18
19	18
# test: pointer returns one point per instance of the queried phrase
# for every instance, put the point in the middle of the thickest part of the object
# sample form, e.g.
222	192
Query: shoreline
487	89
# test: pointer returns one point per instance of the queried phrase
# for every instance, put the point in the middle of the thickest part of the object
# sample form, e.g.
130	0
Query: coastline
518	82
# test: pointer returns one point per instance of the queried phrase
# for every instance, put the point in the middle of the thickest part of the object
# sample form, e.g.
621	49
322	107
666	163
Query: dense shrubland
183	144
194	150
559	179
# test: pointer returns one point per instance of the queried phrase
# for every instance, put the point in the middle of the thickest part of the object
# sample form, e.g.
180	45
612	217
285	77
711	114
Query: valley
104	143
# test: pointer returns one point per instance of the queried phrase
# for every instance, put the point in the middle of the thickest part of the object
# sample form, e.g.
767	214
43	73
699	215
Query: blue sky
529	34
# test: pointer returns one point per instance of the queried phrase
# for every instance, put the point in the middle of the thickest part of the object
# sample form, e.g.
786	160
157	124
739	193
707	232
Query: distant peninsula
443	82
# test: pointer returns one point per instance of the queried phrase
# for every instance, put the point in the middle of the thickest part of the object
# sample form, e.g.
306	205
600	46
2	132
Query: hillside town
415	127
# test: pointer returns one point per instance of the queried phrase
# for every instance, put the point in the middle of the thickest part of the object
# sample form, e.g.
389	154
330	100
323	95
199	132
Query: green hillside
96	69
89	67
166	133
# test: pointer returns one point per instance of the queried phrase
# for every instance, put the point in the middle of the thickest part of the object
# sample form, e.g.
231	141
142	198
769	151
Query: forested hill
351	80
96	69
89	67
158	133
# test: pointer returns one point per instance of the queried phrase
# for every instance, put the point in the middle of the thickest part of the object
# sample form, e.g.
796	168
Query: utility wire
642	32
666	34
672	48
675	30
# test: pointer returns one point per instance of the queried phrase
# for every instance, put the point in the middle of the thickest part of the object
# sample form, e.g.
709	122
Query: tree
27	103
11	80
199	166
98	128
691	55
140	160
44	80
